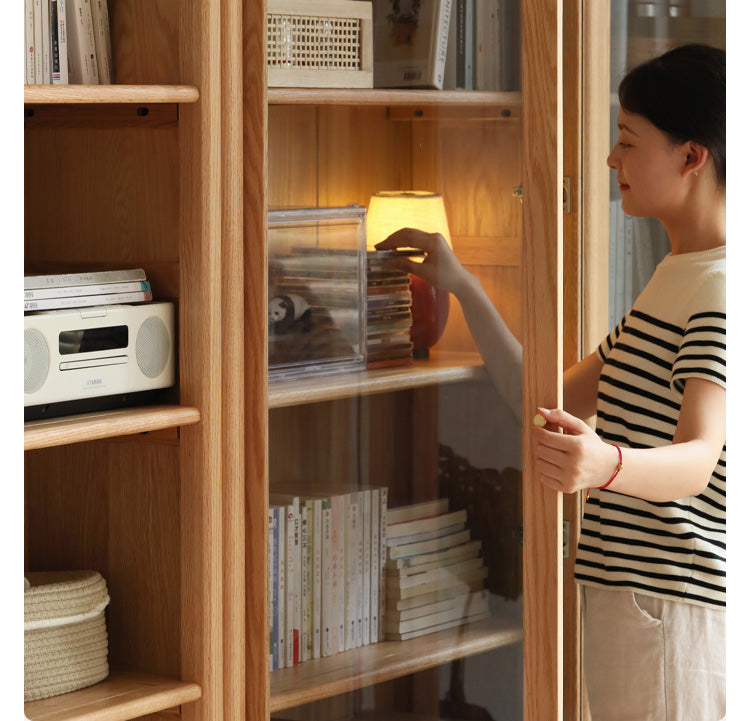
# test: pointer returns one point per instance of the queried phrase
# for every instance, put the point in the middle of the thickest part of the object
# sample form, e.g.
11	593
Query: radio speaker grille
152	346
35	360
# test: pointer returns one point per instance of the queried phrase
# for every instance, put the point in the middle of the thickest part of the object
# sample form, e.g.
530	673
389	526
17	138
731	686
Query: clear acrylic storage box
317	291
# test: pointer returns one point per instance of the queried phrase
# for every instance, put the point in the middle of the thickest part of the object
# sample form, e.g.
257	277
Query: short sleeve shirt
676	330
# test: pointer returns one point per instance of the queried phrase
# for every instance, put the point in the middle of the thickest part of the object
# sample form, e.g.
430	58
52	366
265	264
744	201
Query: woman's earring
695	173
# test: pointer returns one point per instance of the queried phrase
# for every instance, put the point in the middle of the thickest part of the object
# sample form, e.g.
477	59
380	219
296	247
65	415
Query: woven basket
65	635
321	44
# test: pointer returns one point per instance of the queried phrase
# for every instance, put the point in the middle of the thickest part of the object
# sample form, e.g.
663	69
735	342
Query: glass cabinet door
466	573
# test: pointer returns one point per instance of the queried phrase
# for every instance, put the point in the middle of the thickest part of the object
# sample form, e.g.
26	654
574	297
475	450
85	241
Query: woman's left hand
574	459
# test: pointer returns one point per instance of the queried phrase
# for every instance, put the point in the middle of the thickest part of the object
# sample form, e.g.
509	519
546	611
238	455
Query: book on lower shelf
435	572
334	585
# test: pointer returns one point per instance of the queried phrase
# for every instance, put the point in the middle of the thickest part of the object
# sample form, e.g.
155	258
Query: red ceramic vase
429	311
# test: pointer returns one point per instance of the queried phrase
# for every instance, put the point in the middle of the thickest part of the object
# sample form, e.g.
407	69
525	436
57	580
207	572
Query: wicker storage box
319	44
65	636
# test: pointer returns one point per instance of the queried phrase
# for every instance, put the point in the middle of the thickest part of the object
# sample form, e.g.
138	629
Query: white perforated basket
318	44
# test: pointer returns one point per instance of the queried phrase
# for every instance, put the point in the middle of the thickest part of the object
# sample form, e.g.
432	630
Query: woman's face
649	167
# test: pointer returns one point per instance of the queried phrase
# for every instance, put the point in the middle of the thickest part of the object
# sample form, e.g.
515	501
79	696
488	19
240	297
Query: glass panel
361	448
641	30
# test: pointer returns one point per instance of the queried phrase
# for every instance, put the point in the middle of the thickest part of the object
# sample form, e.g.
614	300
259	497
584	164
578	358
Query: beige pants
651	659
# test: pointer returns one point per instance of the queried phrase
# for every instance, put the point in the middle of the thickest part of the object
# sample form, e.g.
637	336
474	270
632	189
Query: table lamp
390	210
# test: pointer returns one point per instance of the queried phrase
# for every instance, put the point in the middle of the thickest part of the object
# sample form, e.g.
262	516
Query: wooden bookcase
172	170
131	175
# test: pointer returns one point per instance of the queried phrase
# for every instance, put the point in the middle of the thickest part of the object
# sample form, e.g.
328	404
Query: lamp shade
390	211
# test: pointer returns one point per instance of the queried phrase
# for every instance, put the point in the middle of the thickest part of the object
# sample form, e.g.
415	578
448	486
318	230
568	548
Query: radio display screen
93	339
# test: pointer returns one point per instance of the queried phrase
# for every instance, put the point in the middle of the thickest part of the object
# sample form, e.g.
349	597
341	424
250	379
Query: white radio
95	354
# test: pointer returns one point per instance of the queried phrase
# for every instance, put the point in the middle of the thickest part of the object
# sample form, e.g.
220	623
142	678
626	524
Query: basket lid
56	598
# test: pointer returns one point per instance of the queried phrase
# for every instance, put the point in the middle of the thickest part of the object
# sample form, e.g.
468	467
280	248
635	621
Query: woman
651	558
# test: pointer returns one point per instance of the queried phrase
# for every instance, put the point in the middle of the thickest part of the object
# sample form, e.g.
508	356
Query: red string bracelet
614	475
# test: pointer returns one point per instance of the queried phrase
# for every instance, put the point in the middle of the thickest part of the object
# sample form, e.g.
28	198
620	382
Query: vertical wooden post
542	350
232	362
255	152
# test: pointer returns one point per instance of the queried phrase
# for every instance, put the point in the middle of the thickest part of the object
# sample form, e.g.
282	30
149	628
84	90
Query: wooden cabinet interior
337	153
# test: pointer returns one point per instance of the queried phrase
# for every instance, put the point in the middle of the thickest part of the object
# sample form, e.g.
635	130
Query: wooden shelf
84	94
359	97
121	696
105	424
440	368
315	680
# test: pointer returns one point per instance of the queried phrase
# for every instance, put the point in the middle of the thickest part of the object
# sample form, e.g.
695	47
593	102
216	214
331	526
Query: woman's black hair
683	93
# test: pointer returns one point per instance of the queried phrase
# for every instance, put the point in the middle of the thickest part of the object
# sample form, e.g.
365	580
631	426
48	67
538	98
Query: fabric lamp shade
390	211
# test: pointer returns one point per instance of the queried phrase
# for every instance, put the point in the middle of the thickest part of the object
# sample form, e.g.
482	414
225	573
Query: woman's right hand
440	267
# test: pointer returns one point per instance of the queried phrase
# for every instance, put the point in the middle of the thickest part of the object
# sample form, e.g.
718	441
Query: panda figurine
289	314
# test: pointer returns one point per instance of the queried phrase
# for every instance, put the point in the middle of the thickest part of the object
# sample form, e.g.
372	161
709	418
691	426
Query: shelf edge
107	424
97	94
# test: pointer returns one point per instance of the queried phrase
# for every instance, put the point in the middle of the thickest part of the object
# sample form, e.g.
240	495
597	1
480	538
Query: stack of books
67	42
326	556
80	290
435	573
389	315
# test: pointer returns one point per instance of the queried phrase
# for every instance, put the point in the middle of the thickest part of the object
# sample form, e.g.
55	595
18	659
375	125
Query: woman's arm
498	347
577	458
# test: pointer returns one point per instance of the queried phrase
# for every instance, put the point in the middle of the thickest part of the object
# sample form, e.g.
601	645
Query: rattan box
319	44
65	633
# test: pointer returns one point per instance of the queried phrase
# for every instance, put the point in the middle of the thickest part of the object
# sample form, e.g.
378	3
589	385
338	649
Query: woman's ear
696	157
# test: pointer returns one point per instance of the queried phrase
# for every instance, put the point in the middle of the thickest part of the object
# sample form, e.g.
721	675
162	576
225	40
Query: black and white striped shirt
675	331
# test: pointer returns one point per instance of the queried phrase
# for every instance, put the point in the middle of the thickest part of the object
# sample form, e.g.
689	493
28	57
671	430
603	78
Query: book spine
87	301
290	574
443	28
273	581
352	549
31	282
281	601
102	41
28	28
366	564
327	610
383	557
339	570
53	44
317	579
82	68
62	43
38	43
305	595
296	584
375	566
70	291
46	49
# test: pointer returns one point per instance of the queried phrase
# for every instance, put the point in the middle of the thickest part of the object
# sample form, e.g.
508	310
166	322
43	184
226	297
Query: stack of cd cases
388	312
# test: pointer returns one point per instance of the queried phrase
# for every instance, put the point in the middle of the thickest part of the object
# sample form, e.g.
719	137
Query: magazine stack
435	573
388	313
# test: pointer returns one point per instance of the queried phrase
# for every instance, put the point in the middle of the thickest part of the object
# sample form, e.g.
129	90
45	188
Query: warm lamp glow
391	210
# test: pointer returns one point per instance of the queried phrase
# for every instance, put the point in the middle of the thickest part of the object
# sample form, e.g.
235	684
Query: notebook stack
435	573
